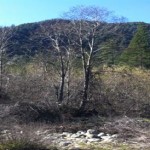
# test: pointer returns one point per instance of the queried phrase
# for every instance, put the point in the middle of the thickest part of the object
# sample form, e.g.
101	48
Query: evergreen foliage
109	53
138	52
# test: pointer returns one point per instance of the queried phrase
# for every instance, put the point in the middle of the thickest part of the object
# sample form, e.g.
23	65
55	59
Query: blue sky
24	11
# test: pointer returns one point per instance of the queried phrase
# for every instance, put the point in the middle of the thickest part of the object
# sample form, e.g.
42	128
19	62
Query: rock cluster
66	139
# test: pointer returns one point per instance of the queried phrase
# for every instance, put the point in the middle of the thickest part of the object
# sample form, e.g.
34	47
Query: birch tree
59	36
86	22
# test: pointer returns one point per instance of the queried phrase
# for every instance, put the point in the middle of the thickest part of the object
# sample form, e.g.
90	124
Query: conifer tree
138	52
108	53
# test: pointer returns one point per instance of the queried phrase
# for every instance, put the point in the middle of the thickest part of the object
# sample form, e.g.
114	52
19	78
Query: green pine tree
108	53
138	52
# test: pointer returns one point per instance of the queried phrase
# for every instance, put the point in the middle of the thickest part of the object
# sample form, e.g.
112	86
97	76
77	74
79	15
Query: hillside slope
27	40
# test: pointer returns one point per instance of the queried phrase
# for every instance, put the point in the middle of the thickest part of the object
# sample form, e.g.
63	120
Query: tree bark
61	90
85	89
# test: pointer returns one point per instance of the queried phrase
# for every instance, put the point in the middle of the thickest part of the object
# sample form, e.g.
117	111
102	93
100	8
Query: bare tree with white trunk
85	24
59	35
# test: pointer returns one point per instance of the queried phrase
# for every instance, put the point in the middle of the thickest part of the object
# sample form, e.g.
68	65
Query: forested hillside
27	38
113	38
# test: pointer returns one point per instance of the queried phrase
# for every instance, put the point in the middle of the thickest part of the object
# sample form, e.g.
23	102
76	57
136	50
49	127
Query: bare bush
121	93
30	88
35	112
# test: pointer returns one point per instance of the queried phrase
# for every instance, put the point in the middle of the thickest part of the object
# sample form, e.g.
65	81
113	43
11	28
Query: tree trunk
62	82
85	89
68	82
1	69
61	89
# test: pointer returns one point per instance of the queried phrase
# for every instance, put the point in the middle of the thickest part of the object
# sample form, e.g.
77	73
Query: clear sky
25	11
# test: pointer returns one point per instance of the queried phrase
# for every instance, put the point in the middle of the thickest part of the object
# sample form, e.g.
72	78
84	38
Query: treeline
112	38
27	36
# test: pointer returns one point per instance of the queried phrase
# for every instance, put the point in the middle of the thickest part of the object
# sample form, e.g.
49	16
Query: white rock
94	140
101	134
114	136
4	131
21	132
75	136
65	133
92	131
81	132
89	135
106	138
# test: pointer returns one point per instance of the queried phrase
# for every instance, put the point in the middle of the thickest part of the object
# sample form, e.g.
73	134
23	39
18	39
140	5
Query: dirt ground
132	133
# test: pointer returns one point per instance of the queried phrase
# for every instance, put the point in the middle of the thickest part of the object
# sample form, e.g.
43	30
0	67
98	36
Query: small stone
21	132
92	131
94	140
82	136
80	132
114	136
69	135
88	135
100	134
65	133
75	136
106	138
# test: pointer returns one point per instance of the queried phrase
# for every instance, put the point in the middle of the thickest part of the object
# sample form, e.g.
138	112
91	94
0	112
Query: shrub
121	91
4	98
23	145
35	112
